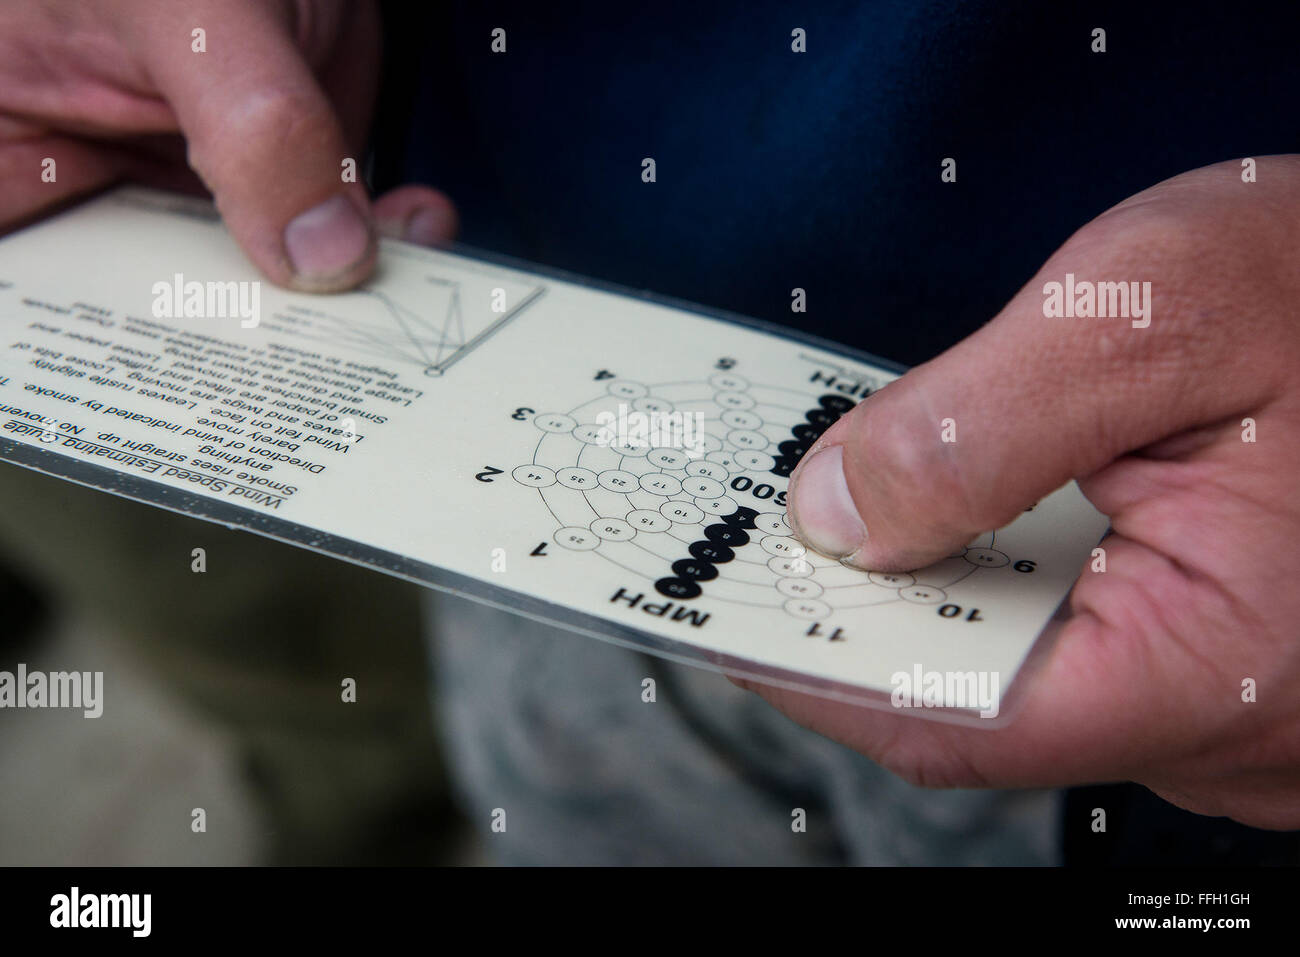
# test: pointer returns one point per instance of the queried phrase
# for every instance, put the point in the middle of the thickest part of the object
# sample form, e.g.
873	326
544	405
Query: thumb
265	140
964	443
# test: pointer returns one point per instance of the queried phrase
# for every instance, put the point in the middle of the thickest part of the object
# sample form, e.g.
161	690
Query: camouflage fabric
259	644
551	728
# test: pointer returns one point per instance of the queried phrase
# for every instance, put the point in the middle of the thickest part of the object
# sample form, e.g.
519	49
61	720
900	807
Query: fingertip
331	246
821	510
879	491
430	226
417	214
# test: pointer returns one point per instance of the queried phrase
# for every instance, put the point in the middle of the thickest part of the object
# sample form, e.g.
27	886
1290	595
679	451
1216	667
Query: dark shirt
821	170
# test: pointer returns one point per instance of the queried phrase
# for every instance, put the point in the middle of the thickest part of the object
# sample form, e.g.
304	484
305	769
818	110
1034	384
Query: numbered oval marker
741	419
678	588
711	552
748	440
613	529
700	487
734	400
810	609
922	594
705	442
783	545
626	389
695	570
729	382
986	557
668	458
684	513
556	422
798	567
592	434
722	534
798	588
837	404
617	480
754	461
534	476
645	520
718	507
578	539
576	477
660	483
653	404
891	579
630	447
773	523
710	470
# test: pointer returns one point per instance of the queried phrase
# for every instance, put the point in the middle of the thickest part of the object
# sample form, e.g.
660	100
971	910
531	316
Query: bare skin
1145	683
1200	592
262	120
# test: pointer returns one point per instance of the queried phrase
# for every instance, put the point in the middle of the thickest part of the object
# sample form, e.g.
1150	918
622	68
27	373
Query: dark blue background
821	170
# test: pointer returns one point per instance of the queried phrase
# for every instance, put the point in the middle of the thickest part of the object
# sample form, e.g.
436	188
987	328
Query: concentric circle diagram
706	516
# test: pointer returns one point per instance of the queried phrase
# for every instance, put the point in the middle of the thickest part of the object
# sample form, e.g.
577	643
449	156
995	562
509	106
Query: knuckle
913	477
277	115
262	128
1161	250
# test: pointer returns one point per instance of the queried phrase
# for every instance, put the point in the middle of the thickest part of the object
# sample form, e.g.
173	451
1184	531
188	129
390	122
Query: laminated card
615	465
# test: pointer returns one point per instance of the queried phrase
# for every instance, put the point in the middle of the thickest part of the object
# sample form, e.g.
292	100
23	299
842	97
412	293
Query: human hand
1200	591
266	115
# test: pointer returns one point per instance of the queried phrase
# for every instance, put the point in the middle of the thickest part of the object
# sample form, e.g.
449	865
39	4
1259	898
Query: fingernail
822	509
327	239
427	226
